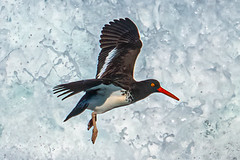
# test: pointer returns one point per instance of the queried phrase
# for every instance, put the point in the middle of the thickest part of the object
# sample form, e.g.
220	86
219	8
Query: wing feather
121	44
76	87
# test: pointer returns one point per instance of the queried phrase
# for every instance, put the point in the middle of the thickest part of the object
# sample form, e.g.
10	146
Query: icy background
191	46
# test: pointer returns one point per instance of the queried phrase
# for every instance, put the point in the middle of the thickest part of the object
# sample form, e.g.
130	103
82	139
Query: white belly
108	97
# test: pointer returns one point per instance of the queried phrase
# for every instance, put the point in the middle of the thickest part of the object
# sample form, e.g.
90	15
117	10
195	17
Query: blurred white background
192	47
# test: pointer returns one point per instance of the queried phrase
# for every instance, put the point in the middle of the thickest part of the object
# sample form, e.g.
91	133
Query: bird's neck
139	91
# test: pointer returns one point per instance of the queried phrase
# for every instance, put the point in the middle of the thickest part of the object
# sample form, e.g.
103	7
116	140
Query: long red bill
160	89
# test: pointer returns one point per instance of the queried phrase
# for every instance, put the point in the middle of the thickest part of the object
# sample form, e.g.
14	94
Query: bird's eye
152	84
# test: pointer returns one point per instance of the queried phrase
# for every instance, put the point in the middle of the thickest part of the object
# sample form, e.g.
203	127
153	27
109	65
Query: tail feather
81	106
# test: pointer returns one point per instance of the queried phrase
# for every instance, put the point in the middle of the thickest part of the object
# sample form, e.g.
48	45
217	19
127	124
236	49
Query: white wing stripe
107	61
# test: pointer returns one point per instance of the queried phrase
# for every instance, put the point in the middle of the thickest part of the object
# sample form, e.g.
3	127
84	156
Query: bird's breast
116	99
109	98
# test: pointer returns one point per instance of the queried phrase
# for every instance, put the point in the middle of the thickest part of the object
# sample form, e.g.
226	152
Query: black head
150	86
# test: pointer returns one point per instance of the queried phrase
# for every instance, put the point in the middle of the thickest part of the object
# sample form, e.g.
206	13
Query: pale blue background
191	46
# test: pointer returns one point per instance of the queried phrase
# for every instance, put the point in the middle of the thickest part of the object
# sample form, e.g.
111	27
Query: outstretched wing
72	88
121	44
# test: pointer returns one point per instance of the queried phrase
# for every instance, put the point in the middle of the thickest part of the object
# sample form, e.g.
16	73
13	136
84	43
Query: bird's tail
80	107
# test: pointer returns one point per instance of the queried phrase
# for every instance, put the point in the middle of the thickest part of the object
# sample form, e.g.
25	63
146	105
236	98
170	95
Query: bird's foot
90	124
94	134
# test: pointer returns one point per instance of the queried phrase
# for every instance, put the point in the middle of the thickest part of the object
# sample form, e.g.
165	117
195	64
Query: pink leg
93	123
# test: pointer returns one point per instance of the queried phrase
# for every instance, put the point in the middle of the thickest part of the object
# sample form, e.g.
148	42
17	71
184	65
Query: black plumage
123	37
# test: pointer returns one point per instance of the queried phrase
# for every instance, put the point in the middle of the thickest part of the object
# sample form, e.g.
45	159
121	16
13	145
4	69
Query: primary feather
121	44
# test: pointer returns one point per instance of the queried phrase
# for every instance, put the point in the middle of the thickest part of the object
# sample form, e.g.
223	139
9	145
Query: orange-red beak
160	89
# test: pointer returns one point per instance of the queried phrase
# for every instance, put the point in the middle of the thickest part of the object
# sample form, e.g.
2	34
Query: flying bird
114	85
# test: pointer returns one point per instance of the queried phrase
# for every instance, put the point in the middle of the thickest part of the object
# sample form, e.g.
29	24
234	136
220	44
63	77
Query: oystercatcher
114	85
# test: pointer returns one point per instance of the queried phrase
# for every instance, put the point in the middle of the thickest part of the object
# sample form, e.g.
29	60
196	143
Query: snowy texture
191	46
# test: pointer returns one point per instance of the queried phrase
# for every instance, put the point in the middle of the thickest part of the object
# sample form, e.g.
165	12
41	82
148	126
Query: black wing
72	88
121	44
